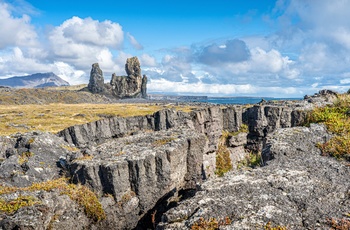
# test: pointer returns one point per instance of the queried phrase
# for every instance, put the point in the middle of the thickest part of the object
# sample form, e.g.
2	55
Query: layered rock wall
210	121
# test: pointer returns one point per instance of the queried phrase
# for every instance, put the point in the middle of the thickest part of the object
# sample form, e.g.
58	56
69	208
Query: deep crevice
152	218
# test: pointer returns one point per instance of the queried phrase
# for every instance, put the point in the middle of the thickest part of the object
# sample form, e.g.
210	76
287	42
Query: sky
277	48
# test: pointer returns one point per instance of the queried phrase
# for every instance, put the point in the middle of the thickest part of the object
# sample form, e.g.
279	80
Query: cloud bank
307	49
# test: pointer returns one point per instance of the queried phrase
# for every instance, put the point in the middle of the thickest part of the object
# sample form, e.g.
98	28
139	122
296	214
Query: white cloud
69	73
345	81
134	42
309	49
82	42
15	62
270	61
15	31
199	88
232	51
91	32
147	60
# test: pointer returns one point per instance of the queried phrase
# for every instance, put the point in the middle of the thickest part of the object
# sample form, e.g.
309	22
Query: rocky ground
161	171
297	189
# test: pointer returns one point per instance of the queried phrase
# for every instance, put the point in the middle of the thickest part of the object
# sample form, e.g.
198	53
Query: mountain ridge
37	80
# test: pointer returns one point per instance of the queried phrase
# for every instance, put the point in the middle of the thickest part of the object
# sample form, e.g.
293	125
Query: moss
223	160
86	157
12	206
24	157
30	141
86	198
70	148
164	141
211	224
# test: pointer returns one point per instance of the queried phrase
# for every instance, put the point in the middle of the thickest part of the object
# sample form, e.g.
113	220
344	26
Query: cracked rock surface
297	188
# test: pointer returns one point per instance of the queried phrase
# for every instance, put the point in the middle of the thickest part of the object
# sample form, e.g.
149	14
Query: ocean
240	100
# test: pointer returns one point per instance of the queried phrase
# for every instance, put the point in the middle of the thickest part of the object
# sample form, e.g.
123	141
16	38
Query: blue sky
278	48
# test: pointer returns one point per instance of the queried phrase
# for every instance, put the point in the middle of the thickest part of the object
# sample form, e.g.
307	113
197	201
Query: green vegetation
211	224
337	119
252	160
12	206
79	193
226	134
223	161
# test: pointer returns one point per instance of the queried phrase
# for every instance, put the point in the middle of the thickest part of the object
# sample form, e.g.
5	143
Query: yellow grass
55	117
69	87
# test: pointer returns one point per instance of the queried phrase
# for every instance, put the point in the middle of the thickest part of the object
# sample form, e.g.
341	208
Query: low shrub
336	117
253	160
223	161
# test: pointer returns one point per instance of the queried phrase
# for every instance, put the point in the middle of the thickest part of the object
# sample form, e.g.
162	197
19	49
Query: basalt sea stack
131	86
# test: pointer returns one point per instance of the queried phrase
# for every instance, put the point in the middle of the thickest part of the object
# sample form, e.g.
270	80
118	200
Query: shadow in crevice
151	219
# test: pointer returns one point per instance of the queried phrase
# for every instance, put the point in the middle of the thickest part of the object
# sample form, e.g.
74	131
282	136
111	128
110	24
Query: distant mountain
37	80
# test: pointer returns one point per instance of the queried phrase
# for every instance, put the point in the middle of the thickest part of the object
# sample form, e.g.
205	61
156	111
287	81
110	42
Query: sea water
241	100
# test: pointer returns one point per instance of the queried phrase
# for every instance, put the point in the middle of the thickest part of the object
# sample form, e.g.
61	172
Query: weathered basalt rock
131	86
298	189
96	83
32	157
265	119
139	170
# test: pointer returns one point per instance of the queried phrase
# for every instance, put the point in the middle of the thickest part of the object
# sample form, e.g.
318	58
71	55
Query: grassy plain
55	117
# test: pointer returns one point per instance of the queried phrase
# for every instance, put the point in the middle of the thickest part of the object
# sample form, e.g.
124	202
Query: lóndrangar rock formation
96	83
131	86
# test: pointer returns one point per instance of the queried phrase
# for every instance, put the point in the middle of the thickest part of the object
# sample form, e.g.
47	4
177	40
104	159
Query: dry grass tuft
79	193
223	161
211	224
